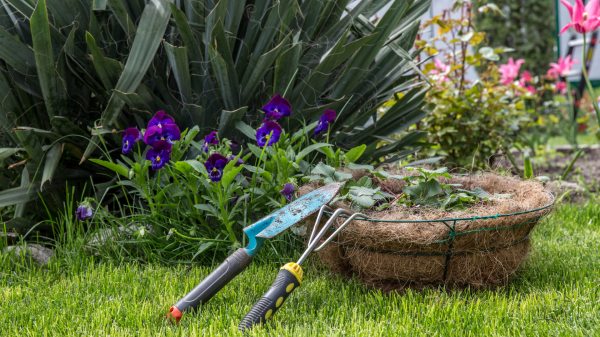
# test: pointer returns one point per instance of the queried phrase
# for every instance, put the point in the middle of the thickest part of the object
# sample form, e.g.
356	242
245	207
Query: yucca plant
76	72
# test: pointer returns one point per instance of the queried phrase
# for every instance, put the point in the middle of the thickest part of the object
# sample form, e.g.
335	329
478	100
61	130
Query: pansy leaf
229	176
355	166
355	153
112	166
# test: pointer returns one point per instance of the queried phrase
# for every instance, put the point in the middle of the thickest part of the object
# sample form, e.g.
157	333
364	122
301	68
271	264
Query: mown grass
582	139
557	293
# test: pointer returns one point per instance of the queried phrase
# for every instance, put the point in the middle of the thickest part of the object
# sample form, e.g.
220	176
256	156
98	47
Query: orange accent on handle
174	313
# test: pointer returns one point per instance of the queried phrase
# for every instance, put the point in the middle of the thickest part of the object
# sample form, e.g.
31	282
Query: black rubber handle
287	280
214	282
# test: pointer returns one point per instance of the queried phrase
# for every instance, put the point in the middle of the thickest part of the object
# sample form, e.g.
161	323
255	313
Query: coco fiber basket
480	246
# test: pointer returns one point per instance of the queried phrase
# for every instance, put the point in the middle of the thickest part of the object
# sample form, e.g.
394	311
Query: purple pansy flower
161	119
169	132
159	154
209	139
239	161
130	136
323	125
277	108
215	165
84	211
233	144
288	191
264	136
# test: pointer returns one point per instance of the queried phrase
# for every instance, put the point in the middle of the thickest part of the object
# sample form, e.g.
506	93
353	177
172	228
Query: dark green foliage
529	27
76	70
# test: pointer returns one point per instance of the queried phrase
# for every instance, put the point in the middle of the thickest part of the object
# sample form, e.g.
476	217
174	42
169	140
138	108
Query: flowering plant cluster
471	121
221	189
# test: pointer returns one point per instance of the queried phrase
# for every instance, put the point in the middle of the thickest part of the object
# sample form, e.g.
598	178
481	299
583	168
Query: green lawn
582	139
556	294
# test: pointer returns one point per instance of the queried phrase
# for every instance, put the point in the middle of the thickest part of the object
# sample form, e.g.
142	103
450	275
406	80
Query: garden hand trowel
257	233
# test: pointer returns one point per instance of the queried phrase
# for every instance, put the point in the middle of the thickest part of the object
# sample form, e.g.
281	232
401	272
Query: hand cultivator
290	275
257	233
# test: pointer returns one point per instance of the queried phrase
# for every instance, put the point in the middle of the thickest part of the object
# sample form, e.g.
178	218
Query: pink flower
525	78
561	68
531	89
510	70
561	87
441	68
583	19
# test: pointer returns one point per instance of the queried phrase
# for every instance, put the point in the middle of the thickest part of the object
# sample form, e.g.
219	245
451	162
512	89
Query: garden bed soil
588	163
418	253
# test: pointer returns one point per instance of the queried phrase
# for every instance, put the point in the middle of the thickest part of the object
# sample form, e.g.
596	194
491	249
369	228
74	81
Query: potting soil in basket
481	245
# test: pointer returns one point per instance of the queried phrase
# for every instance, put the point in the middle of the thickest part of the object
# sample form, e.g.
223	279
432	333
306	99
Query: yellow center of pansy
215	169
157	159
163	138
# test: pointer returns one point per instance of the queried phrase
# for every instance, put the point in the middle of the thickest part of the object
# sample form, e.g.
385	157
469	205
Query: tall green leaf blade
179	64
268	31
17	54
25	7
22	207
31	144
136	102
7	152
67	12
285	69
10	107
201	82
108	74
99	5
22	194
221	46
250	38
64	80
51	163
220	69
358	66
116	6
308	92
235	11
65	127
328	39
229	119
192	114
194	11
258	72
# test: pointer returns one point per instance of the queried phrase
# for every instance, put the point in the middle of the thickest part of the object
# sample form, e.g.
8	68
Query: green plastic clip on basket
476	249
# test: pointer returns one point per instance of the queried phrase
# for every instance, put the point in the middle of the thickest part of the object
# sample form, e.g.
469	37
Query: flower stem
589	85
258	167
